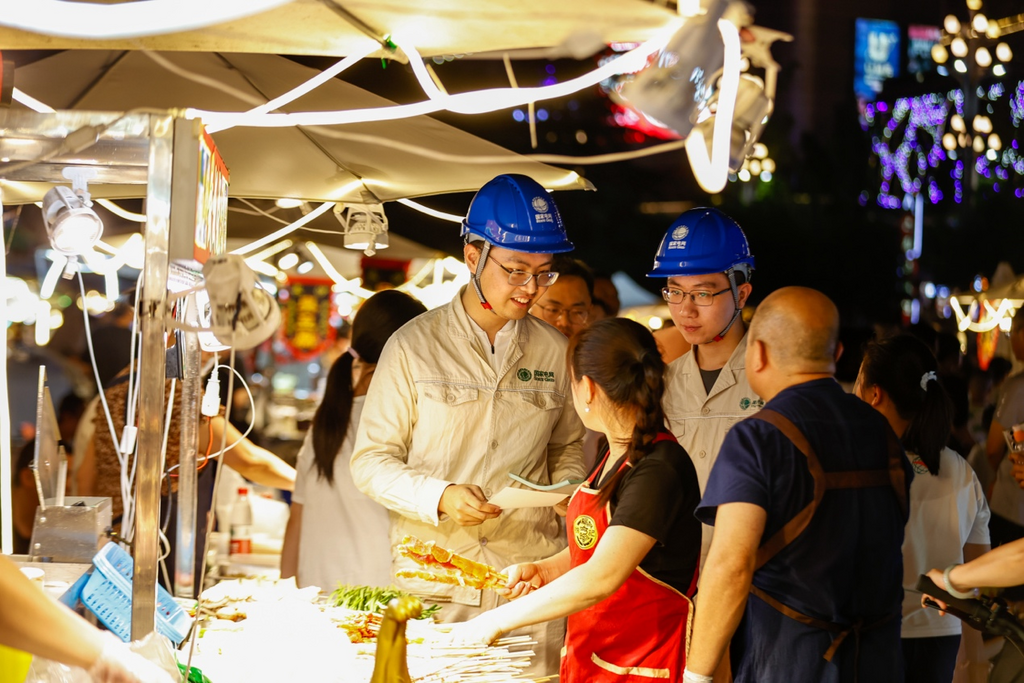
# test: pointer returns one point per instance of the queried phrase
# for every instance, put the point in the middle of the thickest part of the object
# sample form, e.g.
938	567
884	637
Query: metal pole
151	379
6	479
185	539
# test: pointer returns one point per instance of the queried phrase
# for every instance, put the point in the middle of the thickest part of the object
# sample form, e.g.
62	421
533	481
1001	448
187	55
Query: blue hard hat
702	241
515	212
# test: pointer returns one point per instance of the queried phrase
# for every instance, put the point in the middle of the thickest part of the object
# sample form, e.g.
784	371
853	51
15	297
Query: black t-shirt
708	378
657	496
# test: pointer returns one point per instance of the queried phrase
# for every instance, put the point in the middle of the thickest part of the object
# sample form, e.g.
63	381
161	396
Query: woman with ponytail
630	571
335	533
948	512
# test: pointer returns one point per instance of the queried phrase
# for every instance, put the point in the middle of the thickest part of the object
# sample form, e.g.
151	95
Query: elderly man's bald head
799	328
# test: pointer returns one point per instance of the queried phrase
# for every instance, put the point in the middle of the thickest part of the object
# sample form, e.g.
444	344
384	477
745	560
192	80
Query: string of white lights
590	160
126	20
286	230
431	212
123	213
712	171
474	102
31	102
315	82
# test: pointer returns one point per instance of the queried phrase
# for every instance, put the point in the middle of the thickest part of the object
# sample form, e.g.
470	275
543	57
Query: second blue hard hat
702	241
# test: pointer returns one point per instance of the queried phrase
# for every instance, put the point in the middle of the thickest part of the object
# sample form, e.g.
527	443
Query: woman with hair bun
948	512
336	534
628	576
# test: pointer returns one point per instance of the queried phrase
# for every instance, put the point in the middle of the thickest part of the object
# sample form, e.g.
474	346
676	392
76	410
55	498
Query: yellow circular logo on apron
584	530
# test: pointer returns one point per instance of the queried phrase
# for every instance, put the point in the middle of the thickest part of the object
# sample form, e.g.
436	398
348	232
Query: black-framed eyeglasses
699	297
577	316
520	278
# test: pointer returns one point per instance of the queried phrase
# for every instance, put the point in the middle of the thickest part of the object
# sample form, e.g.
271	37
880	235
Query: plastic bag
154	647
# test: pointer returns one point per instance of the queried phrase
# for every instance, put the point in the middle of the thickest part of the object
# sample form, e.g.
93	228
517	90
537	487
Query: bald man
787	579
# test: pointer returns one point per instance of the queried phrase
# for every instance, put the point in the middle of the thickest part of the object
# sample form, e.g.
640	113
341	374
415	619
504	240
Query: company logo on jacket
539	375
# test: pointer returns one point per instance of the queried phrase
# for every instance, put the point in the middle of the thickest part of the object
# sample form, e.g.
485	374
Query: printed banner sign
307	305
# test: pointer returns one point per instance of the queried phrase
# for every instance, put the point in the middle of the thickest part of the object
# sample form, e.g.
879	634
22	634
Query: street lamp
977	50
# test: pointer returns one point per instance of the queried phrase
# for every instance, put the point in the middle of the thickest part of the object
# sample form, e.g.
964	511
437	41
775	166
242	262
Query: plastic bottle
241	524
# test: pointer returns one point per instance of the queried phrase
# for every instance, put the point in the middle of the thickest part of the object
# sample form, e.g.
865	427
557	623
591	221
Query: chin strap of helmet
484	252
731	275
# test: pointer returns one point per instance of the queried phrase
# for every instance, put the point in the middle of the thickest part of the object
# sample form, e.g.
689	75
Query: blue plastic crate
108	594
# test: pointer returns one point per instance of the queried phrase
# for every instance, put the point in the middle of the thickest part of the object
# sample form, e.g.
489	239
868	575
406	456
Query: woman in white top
336	534
948	512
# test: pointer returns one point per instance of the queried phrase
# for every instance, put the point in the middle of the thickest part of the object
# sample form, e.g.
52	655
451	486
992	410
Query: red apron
639	632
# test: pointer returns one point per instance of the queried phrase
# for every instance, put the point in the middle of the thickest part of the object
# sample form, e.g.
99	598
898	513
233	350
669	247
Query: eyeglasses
520	278
577	316
699	297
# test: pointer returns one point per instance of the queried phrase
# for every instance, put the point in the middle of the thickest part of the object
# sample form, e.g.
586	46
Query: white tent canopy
271	163
435	27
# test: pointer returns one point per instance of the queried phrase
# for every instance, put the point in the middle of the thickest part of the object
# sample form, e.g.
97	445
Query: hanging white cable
500	158
31	102
431	212
96	375
288	229
123	213
126	20
530	111
201	79
474	102
130	443
318	80
240	439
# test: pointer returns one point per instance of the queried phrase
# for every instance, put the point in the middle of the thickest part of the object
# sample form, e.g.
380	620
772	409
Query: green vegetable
194	674
372	599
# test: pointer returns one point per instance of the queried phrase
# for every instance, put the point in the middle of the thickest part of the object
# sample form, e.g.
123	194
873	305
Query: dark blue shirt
847	565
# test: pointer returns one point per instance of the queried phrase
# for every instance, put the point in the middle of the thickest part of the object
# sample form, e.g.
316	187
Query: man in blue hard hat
470	392
707	262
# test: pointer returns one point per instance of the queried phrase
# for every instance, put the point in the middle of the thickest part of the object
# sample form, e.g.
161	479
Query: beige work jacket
700	420
437	414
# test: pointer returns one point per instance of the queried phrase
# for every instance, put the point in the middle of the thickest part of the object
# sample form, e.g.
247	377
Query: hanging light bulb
958	47
960	66
994	142
979	144
73	227
288	261
951	24
1003	52
365	226
939	54
993	31
949	142
999	70
980	23
956	122
974	5
983	57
